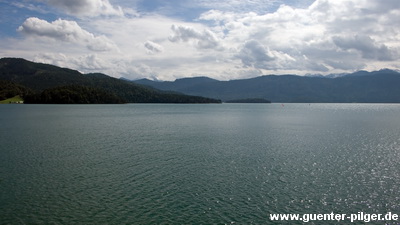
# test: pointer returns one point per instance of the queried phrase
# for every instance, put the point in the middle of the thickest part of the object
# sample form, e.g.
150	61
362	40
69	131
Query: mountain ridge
48	81
362	86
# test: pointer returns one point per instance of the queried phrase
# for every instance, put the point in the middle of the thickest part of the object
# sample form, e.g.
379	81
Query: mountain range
381	86
44	83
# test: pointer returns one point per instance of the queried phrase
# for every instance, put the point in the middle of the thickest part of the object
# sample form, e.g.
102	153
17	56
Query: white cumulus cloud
228	39
326	36
66	31
205	39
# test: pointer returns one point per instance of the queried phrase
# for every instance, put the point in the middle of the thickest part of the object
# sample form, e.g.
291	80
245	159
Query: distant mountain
249	100
332	75
70	86
183	85
336	75
365	87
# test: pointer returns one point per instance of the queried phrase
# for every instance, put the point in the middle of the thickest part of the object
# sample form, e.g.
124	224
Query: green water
196	164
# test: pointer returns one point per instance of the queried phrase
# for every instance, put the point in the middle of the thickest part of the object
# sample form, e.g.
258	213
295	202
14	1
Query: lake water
196	164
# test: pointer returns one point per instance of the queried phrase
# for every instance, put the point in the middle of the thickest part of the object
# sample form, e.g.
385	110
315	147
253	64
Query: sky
225	40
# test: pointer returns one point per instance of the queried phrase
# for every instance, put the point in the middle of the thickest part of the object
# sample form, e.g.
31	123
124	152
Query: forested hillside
43	83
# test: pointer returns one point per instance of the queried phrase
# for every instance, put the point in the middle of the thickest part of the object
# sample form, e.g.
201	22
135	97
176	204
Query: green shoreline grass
14	99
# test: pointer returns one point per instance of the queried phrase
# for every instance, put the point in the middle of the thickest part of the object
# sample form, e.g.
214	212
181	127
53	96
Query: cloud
87	8
141	70
368	48
29	6
202	40
254	54
153	48
259	6
85	63
66	31
316	38
231	38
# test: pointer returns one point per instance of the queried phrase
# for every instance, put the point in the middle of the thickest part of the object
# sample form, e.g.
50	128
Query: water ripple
168	164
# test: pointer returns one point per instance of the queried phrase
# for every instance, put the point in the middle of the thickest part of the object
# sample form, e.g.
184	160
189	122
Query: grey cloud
203	40
327	35
153	47
368	48
254	54
379	6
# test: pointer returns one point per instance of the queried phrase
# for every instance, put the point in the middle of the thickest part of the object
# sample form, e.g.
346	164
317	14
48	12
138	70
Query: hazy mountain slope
379	86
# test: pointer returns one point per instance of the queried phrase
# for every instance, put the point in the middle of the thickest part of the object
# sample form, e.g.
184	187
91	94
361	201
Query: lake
196	164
